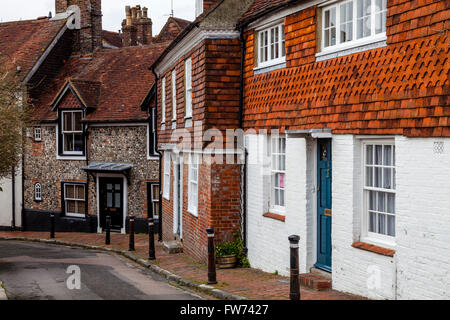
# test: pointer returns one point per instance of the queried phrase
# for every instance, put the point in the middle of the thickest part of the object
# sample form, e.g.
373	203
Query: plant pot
226	262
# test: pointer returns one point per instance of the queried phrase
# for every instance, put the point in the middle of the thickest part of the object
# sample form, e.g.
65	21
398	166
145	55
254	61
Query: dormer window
198	7
71	134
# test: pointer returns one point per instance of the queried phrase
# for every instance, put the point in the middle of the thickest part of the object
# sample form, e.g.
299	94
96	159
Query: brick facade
401	88
398	91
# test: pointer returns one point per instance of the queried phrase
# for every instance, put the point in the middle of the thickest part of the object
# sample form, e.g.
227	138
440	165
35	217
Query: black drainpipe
155	123
13	182
241	120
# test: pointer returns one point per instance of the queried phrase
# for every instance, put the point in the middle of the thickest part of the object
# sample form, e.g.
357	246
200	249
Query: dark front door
111	202
324	204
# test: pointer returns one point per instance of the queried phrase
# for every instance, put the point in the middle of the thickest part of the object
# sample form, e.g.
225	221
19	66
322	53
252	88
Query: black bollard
151	239
131	246
52	226
294	293
108	230
211	257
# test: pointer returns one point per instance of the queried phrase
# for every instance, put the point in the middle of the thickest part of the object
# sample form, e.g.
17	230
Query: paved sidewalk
249	283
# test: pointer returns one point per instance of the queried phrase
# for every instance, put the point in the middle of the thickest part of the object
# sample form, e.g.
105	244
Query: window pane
117	200
155	191
372	221
369	176
281	177
388	155
282	198
81	209
391	226
333	37
391	203
378	154
156	209
79	192
369	154
70	206
363	18
77	121
67	121
283	42
109	199
381	223
378	176
117	187
327	38
277	197
387	182
78	142
70	192
372	200
346	26
381	202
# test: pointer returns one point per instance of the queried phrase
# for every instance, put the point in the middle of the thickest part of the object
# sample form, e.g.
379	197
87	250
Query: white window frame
37	191
274	169
198	7
167	165
37	134
163	100
354	42
73	214
63	133
281	40
366	235
188	89
174	95
193	185
155	201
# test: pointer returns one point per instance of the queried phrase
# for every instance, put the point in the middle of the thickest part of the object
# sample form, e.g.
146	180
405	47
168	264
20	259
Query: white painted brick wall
6	200
267	238
423	219
350	266
421	266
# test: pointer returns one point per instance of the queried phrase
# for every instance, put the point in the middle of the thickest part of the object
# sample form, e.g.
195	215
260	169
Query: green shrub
233	247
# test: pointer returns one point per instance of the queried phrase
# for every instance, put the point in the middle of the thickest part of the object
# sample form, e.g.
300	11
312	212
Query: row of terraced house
328	119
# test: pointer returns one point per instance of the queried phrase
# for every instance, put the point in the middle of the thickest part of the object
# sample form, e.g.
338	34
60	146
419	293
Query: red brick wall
215	84
402	88
218	207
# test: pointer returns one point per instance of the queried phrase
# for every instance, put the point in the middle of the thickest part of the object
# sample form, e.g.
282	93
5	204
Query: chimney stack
90	35
137	27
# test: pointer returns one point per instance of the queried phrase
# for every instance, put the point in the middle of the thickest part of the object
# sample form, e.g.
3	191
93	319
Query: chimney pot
145	12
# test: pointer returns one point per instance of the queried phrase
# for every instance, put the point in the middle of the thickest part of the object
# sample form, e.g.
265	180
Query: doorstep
173	247
315	280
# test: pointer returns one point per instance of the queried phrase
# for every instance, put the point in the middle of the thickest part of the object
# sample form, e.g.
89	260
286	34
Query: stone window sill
374	249
274	216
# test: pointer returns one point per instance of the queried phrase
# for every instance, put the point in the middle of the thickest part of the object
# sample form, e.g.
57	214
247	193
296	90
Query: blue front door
324	204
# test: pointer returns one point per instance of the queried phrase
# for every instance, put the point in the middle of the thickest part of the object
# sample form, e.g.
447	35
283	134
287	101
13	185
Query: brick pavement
250	283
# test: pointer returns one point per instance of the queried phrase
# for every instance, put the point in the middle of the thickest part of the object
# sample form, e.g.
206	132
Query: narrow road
32	271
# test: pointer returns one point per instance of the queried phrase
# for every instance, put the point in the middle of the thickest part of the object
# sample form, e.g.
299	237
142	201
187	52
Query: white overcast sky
113	11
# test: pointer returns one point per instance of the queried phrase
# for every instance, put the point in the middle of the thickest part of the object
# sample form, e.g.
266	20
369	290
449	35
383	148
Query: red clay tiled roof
26	41
260	7
171	29
124	77
112	38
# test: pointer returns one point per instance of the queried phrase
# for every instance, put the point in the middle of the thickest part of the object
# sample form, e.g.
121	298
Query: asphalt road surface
31	271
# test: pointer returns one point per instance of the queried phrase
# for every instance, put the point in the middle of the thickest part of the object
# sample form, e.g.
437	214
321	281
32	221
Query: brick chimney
137	27
203	5
90	34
